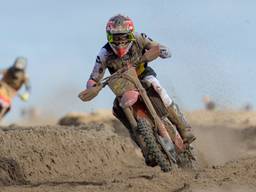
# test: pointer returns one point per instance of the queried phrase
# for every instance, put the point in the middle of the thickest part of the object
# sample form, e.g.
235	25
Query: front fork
129	114
133	123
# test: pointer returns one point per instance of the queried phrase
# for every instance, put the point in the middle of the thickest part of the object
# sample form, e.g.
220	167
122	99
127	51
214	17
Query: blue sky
212	43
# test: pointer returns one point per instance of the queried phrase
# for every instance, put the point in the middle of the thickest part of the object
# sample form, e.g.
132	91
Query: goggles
120	38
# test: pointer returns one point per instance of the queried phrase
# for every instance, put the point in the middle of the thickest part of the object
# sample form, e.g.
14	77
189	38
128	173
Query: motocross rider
13	78
126	47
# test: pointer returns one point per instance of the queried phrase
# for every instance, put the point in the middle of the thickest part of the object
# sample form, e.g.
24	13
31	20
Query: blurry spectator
248	107
209	104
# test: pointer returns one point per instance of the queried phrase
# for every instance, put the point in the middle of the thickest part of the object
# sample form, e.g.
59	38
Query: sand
96	154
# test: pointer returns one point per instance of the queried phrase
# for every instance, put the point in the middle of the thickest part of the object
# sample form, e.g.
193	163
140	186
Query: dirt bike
158	138
4	108
5	102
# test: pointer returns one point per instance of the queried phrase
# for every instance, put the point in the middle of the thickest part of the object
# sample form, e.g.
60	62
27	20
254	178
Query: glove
24	97
89	94
91	83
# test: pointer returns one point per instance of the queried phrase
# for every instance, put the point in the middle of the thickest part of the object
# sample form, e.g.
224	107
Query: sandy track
98	157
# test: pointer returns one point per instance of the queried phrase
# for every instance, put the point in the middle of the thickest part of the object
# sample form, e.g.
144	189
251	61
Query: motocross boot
178	119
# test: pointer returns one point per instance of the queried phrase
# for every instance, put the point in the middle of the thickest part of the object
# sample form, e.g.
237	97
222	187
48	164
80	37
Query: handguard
89	94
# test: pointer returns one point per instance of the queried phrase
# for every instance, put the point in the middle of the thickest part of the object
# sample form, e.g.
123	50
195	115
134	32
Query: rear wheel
153	150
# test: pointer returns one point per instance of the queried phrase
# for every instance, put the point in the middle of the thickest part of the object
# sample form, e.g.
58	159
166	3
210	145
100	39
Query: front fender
129	98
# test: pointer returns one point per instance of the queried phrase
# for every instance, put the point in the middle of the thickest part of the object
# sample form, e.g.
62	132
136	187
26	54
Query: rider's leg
174	114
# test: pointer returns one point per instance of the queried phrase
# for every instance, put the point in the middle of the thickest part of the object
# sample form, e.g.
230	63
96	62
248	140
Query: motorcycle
5	104
153	131
7	93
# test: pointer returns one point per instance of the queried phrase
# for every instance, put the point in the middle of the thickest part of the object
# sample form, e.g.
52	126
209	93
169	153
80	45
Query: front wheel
153	149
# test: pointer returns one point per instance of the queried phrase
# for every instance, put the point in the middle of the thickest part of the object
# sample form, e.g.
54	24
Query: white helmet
20	63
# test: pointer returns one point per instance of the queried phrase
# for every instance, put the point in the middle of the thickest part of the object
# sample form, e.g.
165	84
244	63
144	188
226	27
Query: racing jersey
107	59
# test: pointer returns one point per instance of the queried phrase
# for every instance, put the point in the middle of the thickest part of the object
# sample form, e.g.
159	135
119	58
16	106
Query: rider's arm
98	69
27	84
3	71
25	96
153	48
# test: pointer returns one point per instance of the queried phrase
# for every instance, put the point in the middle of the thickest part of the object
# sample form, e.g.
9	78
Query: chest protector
115	63
14	78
